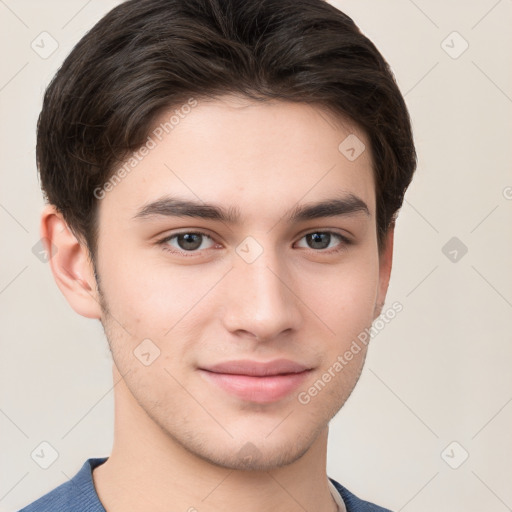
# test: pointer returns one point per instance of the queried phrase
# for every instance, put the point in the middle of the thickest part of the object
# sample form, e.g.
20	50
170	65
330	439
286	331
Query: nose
261	300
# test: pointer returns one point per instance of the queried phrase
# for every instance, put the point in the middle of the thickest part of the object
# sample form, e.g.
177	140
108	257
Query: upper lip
256	368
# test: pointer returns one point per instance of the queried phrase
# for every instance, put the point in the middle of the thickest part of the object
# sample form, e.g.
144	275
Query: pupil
188	240
316	238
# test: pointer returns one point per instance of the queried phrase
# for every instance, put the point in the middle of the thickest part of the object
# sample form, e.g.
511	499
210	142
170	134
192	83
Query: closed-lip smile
255	381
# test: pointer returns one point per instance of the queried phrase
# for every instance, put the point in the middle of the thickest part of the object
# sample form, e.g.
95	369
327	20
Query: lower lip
257	389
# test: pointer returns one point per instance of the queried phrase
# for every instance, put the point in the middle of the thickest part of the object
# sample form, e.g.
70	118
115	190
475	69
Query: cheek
344	298
151	298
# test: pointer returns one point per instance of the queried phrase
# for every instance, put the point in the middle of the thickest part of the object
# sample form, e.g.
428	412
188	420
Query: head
283	124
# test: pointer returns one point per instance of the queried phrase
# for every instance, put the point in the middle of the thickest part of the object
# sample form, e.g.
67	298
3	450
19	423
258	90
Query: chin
253	458
254	451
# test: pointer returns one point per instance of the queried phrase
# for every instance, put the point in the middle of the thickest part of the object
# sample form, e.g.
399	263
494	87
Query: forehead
259	156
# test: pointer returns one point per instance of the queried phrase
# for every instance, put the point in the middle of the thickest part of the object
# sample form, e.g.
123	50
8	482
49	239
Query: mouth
255	381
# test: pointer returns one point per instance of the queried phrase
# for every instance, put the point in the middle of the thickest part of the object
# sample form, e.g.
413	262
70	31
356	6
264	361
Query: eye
321	240
191	243
186	242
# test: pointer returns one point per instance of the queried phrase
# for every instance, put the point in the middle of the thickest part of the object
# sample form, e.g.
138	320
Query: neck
147	467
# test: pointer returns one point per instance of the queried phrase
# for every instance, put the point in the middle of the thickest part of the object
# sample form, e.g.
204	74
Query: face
227	296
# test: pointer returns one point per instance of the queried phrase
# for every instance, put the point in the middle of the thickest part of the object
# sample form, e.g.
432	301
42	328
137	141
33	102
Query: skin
180	441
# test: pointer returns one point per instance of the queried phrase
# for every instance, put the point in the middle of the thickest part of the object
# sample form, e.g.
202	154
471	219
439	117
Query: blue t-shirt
79	495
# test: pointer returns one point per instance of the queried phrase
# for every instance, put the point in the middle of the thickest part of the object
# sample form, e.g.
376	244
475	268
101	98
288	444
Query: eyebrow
169	206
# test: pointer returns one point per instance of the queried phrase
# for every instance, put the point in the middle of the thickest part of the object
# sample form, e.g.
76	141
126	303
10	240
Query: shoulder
77	494
355	504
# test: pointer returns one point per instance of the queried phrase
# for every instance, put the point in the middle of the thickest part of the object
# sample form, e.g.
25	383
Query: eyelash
341	247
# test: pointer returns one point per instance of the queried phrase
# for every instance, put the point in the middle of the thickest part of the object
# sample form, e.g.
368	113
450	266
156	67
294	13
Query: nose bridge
261	301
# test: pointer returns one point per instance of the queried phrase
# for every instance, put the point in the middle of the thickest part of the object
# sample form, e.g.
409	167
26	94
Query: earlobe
70	264
385	264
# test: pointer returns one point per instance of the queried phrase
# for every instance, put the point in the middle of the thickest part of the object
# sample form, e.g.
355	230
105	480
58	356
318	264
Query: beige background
439	372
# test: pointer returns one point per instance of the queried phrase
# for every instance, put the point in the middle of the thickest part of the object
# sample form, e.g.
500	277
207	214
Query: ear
70	263
385	263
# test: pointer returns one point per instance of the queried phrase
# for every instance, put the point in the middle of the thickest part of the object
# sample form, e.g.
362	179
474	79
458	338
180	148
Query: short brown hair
147	56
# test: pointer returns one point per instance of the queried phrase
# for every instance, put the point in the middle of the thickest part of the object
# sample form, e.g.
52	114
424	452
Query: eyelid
343	234
344	241
162	242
